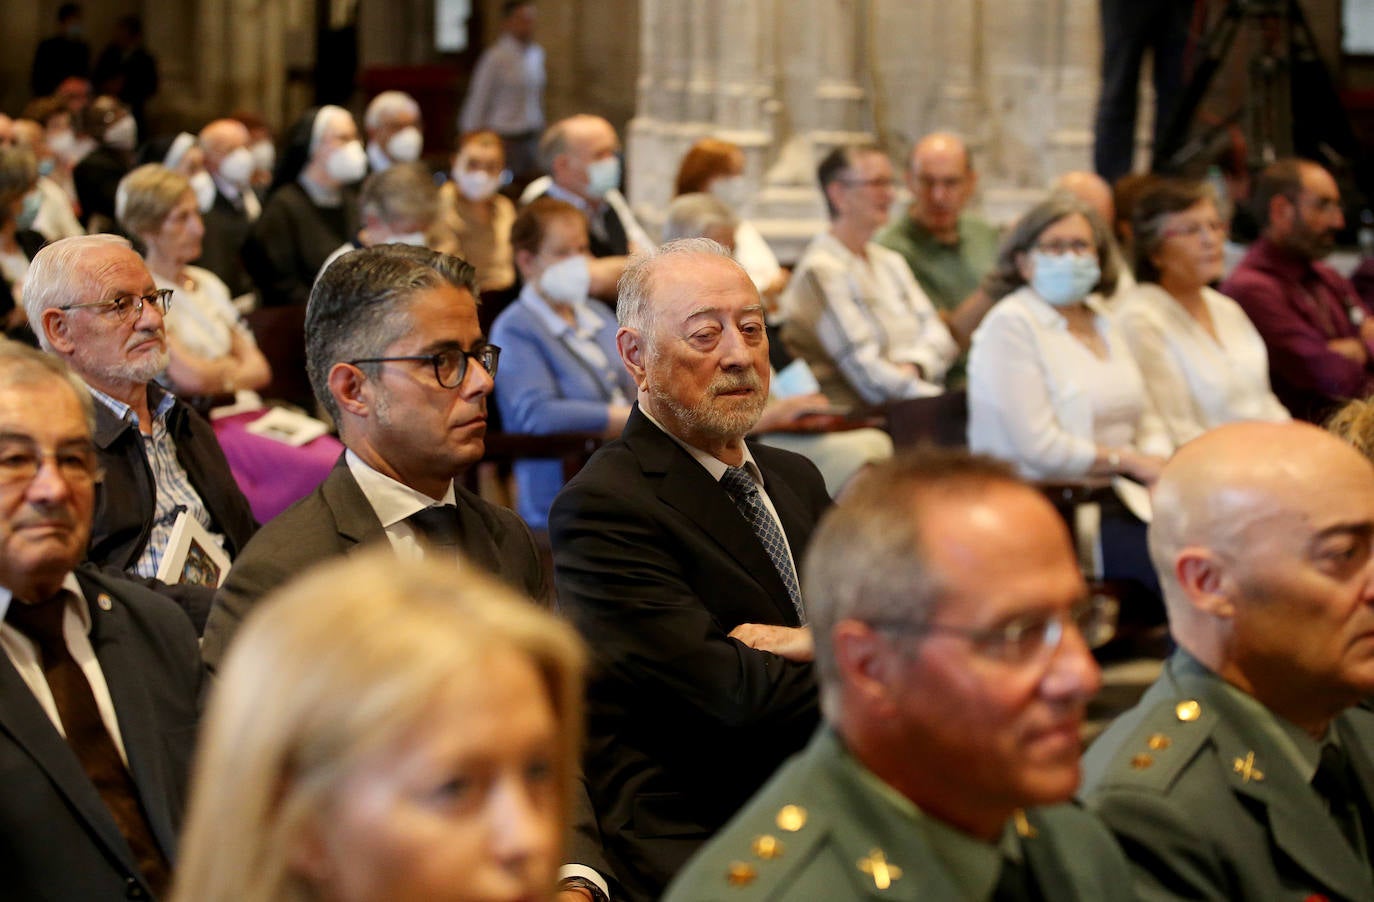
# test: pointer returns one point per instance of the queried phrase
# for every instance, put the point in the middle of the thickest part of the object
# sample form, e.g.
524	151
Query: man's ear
351	388
1282	210
1206	582
865	661
631	346
54	325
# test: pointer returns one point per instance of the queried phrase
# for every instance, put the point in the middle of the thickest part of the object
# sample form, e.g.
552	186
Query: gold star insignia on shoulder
880	869
740	874
1247	770
791	818
767	847
1188	711
1024	828
1159	742
1141	761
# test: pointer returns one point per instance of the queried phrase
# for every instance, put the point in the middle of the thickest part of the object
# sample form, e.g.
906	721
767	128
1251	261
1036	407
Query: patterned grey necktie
745	493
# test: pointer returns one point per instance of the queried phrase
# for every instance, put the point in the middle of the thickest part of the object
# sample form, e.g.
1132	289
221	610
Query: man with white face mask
312	210
228	160
398	206
392	121
475	214
98	174
563	372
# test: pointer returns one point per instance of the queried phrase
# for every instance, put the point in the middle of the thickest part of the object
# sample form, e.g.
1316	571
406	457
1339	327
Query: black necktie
86	733
1016	883
1335	782
745	493
439	525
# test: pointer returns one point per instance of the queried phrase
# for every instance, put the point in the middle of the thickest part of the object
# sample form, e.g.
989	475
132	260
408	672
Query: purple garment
1298	305
273	476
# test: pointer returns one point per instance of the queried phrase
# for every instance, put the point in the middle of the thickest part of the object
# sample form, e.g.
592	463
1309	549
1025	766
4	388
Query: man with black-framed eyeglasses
92	302
952	645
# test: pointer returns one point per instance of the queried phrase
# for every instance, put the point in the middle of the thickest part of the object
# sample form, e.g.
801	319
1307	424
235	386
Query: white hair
56	277
387	106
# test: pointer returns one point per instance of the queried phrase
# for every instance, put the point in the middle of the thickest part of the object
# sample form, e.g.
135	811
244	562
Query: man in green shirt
952	631
948	250
1246	771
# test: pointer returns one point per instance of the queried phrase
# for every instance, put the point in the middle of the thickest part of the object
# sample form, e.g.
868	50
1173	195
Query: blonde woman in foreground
386	733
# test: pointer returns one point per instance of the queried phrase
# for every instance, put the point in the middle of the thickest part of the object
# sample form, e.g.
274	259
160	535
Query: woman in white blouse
211	352
1203	362
1052	384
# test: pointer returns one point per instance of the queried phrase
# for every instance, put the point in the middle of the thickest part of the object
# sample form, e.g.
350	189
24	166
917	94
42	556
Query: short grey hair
403	194
18	175
867	559
693	215
1005	276
634	306
57	276
21	366
386	106
359	305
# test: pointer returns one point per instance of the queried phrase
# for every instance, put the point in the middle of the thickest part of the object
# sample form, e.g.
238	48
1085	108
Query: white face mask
264	155
475	184
1063	279
347	163
602	176
414	239
567	281
731	191
123	134
237	167
405	145
63	144
204	187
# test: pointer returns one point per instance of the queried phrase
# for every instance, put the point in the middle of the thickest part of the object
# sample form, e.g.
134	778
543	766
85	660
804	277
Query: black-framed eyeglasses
1028	638
126	304
450	365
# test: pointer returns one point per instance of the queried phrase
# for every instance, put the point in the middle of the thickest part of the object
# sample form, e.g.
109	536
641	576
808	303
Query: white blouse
1041	399
1196	381
203	318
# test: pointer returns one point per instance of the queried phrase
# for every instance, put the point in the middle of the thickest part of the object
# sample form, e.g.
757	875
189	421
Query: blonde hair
145	197
1354	424
332	668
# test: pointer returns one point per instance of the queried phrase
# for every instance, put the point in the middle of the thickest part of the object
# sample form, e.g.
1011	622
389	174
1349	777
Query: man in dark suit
1246	771
100	679
230	218
93	303
675	551
395	354
952	629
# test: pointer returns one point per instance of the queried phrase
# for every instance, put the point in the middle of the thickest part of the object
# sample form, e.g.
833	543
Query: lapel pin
104	602
1247	770
877	866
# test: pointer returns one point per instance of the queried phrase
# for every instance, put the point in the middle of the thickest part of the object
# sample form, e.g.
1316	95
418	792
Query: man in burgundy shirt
1319	333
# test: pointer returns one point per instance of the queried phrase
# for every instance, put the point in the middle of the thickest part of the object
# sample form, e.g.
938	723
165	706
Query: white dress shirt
1041	399
27	659
393	502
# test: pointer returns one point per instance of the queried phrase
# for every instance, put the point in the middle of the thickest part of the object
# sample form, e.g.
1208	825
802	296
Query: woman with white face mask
475	213
561	370
211	352
1052	386
716	167
312	208
97	175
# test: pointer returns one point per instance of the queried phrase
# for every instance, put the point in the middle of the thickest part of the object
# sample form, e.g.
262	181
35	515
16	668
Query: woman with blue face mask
19	204
1053	387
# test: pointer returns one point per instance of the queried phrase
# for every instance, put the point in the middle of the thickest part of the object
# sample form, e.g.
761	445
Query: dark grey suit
335	519
655	565
58	840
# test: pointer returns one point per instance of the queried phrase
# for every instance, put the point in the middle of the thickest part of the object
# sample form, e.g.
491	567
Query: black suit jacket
221	250
655	565
58	841
335	519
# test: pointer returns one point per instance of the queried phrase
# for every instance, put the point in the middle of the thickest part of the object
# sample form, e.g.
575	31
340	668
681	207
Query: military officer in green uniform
1245	772
952	633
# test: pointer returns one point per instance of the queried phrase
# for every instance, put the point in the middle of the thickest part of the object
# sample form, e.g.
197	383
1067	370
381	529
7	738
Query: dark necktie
745	493
86	733
1335	782
1016	883
439	525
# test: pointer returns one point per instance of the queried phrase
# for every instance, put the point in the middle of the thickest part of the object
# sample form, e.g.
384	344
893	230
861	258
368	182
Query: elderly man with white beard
676	552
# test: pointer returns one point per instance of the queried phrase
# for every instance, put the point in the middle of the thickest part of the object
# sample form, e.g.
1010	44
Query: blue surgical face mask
602	176
29	211
1063	279
47	167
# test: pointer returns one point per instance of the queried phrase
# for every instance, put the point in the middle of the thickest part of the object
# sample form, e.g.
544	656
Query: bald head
1262	539
941	179
1091	189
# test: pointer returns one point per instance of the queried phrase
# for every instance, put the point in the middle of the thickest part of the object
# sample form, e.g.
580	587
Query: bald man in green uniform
1245	773
952	633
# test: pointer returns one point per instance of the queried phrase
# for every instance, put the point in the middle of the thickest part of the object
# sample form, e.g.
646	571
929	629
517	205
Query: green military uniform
825	828
947	273
1209	793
